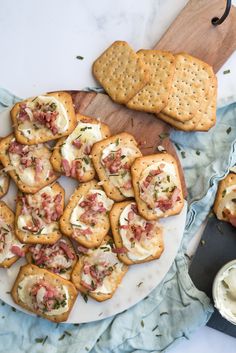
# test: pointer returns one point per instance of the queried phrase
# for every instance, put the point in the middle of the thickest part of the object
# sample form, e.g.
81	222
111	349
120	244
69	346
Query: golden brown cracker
51	279
121	72
44	134
153	97
137	168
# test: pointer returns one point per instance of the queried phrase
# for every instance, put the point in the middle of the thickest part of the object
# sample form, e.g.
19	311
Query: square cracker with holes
54	281
7	216
115	214
154	95
41	236
205	117
117	278
14	172
84	173
225	201
191	82
125	142
30	132
99	229
121	72
162	167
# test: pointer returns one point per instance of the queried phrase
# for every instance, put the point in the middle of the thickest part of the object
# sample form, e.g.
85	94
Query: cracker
102	225
56	158
5	159
77	272
205	116
43	134
8	216
191	82
121	72
5	182
115	213
65	273
153	97
51	279
138	167
221	196
38	238
125	140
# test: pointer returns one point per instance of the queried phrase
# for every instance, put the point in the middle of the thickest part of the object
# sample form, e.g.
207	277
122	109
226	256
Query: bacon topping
16	250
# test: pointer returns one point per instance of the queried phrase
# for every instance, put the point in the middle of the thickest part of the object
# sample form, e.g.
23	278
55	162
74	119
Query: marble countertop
39	44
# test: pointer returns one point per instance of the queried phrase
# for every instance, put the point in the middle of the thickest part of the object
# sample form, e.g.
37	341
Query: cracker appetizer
44	293
225	202
86	218
10	247
4	181
112	159
137	240
71	155
58	258
43	118
28	166
157	186
37	215
99	272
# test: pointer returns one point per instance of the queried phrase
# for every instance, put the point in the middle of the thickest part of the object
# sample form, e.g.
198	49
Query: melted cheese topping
159	186
120	178
78	211
98	256
34	200
27	175
25	286
226	294
62	120
227	202
10	240
139	250
2	181
85	133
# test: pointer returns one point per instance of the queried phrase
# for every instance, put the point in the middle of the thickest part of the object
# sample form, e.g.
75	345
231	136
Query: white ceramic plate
138	282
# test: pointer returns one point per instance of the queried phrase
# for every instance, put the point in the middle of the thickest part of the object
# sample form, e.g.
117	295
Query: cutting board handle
216	21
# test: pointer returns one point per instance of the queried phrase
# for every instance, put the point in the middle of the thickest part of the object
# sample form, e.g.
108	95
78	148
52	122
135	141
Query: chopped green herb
159	335
177	146
164	313
198	153
154	328
132	244
62	337
100	314
229	130
67	333
183	155
146	298
203	242
13	309
233	200
85	297
117	142
223	193
164	135
226	72
86	160
140	283
79	57
85	128
142	323
168	178
76	325
39	340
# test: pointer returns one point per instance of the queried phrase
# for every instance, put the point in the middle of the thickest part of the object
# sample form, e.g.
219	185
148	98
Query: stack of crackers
179	89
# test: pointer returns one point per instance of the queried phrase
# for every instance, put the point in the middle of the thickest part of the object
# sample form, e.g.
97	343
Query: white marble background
40	39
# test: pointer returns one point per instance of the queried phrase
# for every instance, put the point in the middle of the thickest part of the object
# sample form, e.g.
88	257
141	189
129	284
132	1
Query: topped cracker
154	95
121	72
43	118
157	186
112	159
225	202
191	82
44	293
28	166
10	247
71	155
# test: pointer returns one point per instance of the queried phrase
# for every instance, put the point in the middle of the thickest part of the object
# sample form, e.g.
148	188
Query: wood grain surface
193	32
149	131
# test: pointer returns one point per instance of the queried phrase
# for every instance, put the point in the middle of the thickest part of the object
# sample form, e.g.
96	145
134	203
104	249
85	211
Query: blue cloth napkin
175	308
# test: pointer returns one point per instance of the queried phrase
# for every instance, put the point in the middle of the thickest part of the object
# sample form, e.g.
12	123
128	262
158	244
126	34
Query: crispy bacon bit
164	204
134	208
86	285
77	143
87	149
82	249
130	215
38	168
64	246
16	250
122	250
150	176
75	170
17	148
232	220
47	119
66	166
113	161
128	185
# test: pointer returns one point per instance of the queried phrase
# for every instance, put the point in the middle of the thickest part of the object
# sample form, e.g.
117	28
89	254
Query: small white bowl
217	292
